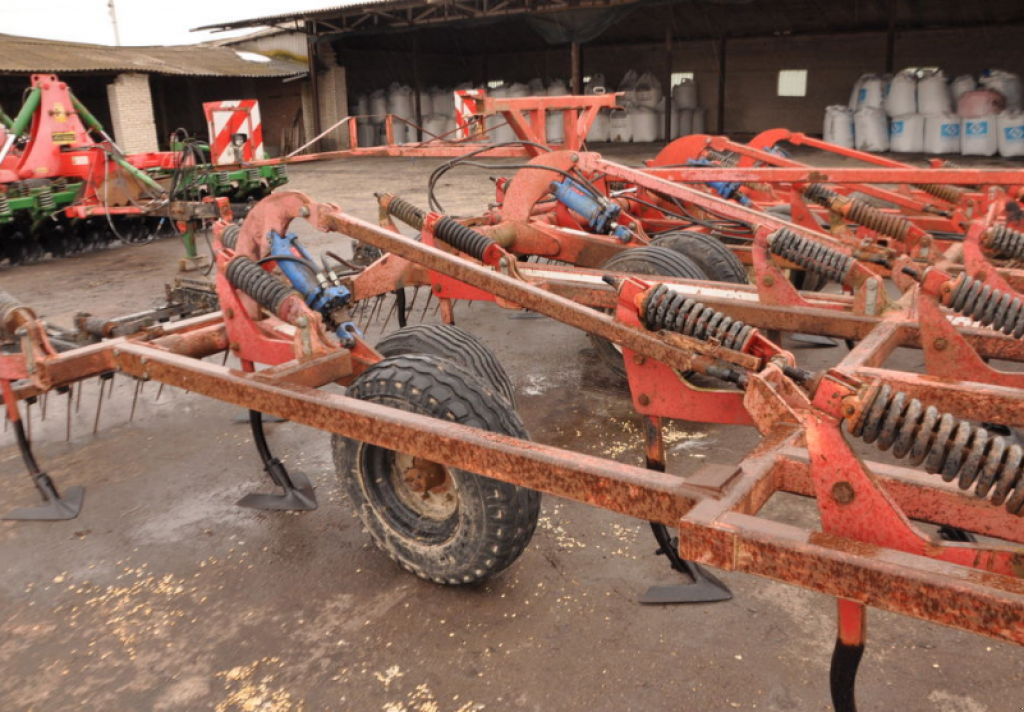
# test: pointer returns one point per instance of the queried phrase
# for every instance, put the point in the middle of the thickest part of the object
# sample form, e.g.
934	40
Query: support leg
847	654
705	588
54	507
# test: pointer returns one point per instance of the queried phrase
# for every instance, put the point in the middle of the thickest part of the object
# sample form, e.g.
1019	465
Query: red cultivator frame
870	549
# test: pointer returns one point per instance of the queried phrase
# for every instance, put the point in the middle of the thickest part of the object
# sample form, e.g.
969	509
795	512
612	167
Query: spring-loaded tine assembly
297	491
54	507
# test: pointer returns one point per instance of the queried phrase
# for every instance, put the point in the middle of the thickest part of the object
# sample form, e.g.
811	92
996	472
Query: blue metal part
600	214
728	191
315	288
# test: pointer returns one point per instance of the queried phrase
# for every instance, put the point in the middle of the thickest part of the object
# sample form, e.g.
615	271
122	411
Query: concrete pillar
333	102
131	111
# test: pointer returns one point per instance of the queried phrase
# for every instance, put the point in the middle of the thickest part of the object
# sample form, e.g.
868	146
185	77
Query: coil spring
24	188
254	175
666	309
281	172
229	238
223	178
60	184
248	277
860	212
403	210
945	444
8	304
5	207
727	159
45	198
462	238
812	256
1005	241
979	301
949	193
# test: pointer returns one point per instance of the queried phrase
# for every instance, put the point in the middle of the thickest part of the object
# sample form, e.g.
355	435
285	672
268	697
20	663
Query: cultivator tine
135	400
391	313
159	392
412	303
67	424
28	415
42	407
430	296
704	588
846	655
54	507
78	398
297	494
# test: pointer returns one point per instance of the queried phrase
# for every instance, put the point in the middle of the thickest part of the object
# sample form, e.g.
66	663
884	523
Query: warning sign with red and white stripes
236	132
468	104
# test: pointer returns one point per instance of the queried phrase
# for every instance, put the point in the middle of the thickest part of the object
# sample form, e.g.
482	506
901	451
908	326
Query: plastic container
554	127
871	130
1011	134
362	105
435	125
983	102
558	88
942	134
906	133
933	95
838	128
601	129
684	94
961	85
442	102
902	97
596	85
628	88
536	86
855	92
871	92
978	136
648	91
1006	83
367	134
620	127
426	104
682	123
699	116
378	106
643	124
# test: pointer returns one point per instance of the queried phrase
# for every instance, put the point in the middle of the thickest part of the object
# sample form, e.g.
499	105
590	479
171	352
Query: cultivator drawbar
66	187
429	446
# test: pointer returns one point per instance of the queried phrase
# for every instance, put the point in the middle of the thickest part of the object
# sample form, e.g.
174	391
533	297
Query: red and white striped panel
227	119
468	103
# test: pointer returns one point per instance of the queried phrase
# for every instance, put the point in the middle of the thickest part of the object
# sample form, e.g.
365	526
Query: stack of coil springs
860	212
248	277
663	308
945	444
812	256
990	307
1006	241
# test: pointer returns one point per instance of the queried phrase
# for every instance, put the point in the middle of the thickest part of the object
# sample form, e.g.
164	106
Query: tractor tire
716	260
445	525
452	344
650	261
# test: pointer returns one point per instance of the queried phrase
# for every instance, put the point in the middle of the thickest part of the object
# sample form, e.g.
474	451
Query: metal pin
430	296
99	409
135	399
67	424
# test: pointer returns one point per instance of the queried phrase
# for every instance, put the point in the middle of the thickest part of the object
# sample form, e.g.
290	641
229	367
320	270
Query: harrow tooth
159	392
430	296
67	424
135	400
412	302
99	410
391	313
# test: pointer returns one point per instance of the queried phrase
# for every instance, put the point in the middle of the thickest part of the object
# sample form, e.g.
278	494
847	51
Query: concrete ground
163	595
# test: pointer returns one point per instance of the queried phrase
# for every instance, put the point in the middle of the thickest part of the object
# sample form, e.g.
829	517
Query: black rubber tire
493	521
452	343
715	259
651	261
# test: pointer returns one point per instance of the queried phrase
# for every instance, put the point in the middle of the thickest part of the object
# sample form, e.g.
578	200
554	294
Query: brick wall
131	112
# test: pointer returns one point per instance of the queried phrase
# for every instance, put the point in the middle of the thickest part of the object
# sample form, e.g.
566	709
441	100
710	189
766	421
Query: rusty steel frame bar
896	176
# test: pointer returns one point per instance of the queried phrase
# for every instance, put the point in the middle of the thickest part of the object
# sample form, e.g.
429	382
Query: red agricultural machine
430	449
66	187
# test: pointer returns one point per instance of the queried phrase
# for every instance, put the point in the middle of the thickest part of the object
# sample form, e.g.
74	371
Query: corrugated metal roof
27	54
298	14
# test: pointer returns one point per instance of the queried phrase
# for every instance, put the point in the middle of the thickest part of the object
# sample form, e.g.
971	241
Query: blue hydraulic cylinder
728	191
601	215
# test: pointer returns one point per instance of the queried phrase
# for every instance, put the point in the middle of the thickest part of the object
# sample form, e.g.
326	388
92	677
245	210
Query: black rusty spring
949	193
726	159
859	212
945	444
229	238
1006	241
247	276
979	301
665	309
462	238
812	256
403	210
